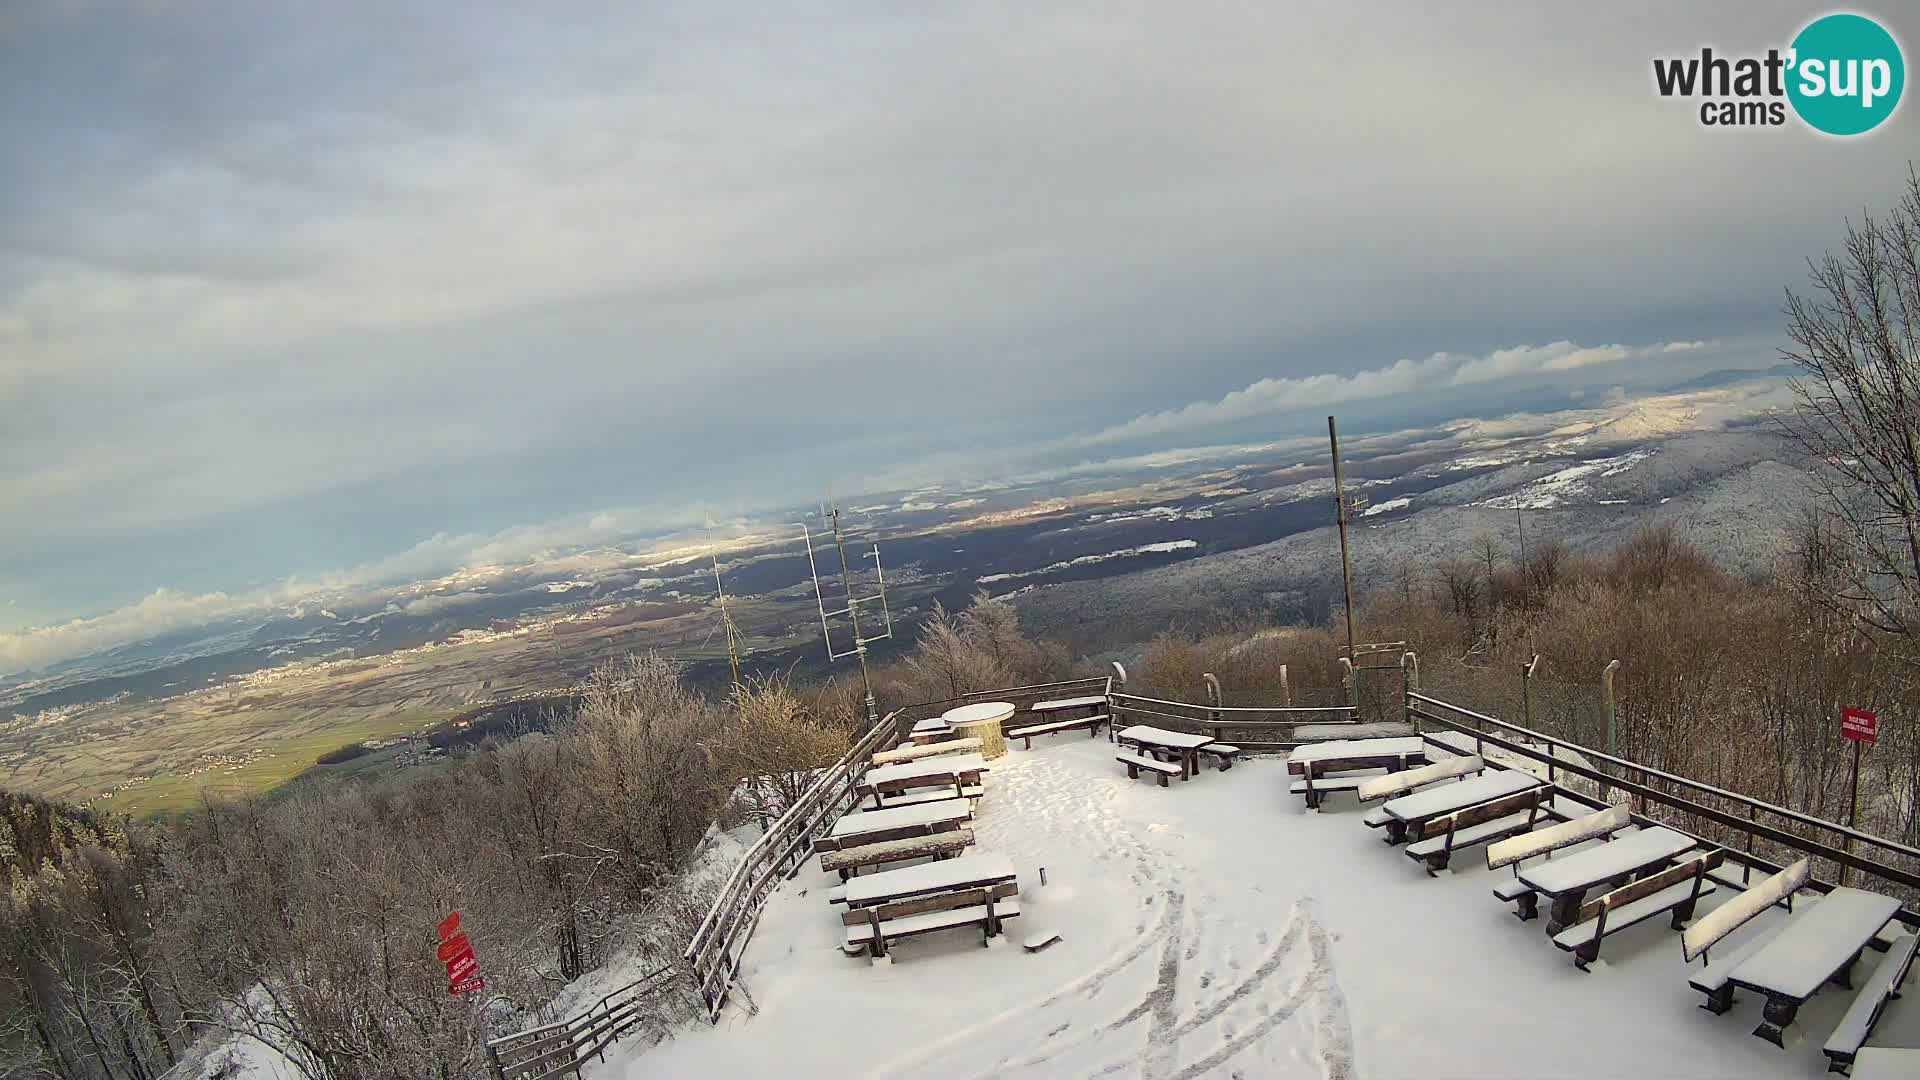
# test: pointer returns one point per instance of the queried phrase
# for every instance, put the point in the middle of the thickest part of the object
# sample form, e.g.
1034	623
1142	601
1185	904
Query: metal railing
1249	728
1718	816
713	956
563	1047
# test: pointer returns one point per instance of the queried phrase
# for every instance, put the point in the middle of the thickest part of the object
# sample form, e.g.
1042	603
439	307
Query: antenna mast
726	618
1340	516
852	608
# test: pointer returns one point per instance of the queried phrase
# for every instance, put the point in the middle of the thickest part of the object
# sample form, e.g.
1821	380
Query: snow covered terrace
1217	928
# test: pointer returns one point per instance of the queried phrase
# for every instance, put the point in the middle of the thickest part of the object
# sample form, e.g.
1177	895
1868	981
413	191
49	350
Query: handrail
1236	708
1599	755
1750	826
559	1047
719	943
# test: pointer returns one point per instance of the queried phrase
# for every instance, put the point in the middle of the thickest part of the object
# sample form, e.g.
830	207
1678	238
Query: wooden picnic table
1817	946
1566	881
1410	812
954	770
978	869
1180	742
1391	749
897	823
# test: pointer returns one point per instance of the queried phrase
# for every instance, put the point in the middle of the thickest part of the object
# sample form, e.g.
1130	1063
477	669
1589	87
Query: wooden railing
563	1047
712	958
1254	729
1721	817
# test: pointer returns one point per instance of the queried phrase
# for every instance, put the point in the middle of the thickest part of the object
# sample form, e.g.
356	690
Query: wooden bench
1399	783
1346	772
1223	754
1676	889
913	752
1883	986
1462	829
1026	734
1514	849
937	794
875	927
1701	937
1160	769
943	845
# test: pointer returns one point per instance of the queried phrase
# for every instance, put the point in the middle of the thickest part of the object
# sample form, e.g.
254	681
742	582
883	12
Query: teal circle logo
1846	75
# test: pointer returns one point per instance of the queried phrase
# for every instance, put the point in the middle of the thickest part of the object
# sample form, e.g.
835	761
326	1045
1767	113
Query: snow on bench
1161	769
936	794
1462	829
1868	1004
1676	889
936	846
1224	752
1731	915
1381	787
1886	1063
875	927
1316	785
912	752
1026	734
1711	979
1605	823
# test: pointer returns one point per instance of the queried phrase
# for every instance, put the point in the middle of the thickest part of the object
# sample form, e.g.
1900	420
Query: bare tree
1856	341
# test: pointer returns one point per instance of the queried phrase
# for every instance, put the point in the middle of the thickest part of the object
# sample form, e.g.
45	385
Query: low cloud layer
1275	396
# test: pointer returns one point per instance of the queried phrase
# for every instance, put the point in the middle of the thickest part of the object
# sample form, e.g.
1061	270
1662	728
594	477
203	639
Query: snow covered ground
1215	928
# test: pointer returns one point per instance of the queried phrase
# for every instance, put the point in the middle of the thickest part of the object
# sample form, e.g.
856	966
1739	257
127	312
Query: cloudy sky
291	291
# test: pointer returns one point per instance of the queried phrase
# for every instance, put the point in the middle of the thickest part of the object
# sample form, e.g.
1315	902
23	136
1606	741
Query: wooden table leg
1565	910
1396	830
1843	978
1776	1018
1527	907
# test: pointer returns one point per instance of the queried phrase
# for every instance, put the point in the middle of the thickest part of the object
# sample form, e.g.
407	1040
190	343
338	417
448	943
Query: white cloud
1279	395
159	612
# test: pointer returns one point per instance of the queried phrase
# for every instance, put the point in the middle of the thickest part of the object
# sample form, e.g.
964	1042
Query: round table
981	721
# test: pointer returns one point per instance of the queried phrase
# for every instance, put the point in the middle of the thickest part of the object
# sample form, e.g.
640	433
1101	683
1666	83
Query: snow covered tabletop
977	713
949	765
901	817
931	723
1886	1063
1606	862
1354	747
1059	704
969	870
1450	797
1815	943
1178	740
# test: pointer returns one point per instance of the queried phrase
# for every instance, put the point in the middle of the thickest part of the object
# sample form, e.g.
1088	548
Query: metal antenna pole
853	617
726	619
1340	515
852	610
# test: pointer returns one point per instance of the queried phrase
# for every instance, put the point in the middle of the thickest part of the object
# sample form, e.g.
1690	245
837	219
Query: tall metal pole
853	616
1853	808
1340	516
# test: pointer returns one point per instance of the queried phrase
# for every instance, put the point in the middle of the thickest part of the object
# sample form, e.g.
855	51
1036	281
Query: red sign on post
463	968
1858	724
